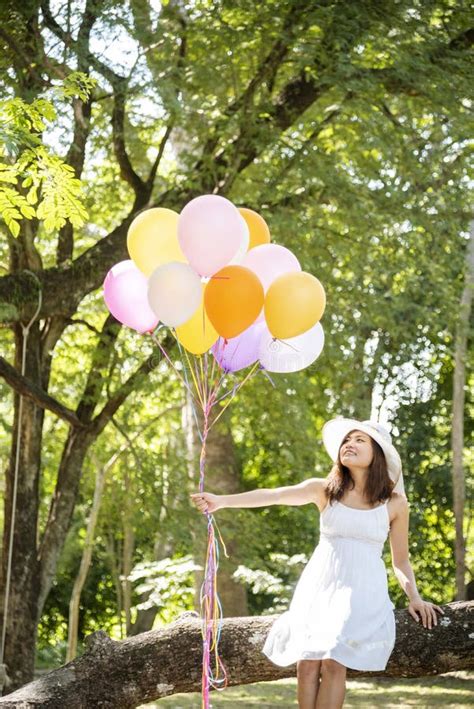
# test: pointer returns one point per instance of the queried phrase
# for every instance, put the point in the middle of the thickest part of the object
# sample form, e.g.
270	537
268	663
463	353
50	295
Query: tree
149	666
290	107
459	383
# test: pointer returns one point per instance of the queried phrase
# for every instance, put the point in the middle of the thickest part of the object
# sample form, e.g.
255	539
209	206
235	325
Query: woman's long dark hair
378	486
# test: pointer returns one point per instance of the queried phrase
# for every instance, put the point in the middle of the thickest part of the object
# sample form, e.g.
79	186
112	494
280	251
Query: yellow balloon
258	228
294	302
197	335
152	239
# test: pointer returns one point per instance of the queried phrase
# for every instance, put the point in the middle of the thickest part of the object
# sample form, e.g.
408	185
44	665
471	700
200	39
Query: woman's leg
333	685
308	682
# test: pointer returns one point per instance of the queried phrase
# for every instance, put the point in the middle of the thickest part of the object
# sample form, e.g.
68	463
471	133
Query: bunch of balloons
212	275
231	299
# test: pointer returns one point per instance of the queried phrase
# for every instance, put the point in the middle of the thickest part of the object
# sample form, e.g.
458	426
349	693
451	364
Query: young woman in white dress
341	615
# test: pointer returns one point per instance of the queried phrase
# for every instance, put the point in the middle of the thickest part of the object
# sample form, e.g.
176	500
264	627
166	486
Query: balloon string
206	385
170	361
218	376
266	374
285	342
201	383
213	366
211	609
191	400
203	380
229	391
236	389
181	351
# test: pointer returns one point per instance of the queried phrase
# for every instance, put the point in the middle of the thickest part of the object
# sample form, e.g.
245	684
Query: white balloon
174	292
293	354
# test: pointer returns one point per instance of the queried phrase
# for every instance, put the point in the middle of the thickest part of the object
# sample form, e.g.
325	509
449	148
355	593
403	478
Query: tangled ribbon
203	383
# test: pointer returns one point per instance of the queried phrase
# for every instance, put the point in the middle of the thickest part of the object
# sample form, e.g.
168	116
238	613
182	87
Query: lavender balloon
240	351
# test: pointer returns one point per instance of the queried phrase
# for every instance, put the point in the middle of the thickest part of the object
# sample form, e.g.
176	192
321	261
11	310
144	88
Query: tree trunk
457	436
124	674
85	564
19	652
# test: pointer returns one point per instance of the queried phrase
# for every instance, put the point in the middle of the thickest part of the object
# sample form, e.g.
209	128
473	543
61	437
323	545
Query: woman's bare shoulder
318	489
398	504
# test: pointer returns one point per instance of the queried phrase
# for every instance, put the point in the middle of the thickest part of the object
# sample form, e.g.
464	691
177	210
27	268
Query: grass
454	690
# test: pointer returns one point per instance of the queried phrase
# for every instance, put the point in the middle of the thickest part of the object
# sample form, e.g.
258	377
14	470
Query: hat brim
336	430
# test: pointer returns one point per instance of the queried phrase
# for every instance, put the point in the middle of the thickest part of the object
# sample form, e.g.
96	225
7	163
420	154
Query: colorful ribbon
203	384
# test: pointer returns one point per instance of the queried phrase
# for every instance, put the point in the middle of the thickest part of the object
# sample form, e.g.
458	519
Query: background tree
345	126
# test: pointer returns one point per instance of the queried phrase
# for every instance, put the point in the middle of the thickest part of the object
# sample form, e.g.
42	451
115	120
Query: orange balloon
233	299
258	228
293	304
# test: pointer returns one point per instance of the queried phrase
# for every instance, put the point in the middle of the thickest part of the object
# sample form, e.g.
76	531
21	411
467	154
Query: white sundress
340	607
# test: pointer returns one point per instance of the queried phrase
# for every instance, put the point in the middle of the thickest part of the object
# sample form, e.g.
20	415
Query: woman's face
356	450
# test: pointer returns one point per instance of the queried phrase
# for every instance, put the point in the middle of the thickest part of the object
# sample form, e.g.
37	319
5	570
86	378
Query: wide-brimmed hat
336	430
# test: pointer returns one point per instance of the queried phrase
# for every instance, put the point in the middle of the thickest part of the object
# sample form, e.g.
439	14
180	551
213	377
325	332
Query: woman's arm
402	567
301	494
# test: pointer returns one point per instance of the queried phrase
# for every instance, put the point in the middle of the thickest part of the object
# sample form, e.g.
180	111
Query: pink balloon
210	232
126	296
268	261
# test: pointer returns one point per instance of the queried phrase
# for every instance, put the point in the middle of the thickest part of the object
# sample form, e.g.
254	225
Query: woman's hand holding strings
206	502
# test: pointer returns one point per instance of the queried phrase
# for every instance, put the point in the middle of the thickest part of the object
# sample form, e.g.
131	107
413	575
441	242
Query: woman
341	614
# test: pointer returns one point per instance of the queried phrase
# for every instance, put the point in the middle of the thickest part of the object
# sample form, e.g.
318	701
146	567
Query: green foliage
275	587
44	186
77	85
369	184
168	585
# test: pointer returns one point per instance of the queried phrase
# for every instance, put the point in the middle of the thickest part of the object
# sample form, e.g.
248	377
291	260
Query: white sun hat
336	430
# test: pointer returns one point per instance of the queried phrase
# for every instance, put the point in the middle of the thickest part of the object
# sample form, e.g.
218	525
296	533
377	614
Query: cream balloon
174	293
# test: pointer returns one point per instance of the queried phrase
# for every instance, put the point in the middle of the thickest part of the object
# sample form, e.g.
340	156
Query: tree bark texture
457	435
24	584
124	674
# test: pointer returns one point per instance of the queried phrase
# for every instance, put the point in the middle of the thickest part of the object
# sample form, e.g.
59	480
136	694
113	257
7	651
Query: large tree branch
131	384
112	77
27	388
162	662
118	118
19	53
154	168
267	71
63	288
98	367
